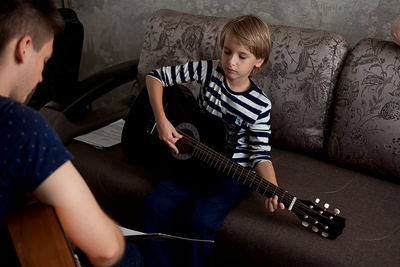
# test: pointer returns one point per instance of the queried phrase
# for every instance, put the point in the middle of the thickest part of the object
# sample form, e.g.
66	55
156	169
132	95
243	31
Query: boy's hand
168	134
272	204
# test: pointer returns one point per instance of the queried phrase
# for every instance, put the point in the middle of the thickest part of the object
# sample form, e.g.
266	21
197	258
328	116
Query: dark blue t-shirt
30	151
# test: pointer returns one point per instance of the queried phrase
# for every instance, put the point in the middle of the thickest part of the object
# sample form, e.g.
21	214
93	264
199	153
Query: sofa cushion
299	78
366	126
250	235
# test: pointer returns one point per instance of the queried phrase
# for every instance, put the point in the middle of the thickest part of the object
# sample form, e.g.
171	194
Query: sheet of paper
136	235
104	137
126	231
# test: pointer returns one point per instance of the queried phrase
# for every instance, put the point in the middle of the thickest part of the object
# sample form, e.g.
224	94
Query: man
32	158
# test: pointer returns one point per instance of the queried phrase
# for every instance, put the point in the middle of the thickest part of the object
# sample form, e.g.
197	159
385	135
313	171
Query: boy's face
31	72
237	60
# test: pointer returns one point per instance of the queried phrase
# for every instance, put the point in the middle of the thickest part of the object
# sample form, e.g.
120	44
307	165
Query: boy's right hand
168	134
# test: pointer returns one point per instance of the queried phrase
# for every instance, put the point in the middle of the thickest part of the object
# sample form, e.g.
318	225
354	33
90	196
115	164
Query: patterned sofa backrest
173	38
299	77
366	125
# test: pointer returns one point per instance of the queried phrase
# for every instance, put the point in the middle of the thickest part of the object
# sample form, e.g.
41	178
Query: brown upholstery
366	126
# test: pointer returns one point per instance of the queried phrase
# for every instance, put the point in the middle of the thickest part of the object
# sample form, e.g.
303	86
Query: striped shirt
247	113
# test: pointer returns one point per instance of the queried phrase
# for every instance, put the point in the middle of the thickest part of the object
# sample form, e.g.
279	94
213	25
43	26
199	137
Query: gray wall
114	29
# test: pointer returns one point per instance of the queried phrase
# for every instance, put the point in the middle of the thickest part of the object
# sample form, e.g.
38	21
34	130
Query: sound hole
185	150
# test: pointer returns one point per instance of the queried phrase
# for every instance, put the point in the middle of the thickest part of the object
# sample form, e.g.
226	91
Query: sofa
335	136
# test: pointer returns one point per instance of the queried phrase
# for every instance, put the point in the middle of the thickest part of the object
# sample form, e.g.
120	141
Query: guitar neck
238	172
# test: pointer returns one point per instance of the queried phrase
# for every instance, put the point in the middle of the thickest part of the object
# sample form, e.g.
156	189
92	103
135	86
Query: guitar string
202	148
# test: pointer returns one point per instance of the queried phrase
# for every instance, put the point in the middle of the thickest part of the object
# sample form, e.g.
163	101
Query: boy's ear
23	47
259	62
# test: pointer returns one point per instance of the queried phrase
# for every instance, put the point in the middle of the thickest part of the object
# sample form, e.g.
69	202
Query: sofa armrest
96	86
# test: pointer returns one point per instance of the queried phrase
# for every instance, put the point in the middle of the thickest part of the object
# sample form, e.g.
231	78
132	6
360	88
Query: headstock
330	225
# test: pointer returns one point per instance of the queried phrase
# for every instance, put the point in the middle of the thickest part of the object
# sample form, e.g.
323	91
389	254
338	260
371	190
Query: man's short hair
37	18
251	31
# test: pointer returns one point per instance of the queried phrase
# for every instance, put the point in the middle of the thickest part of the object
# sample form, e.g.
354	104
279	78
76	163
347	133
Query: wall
114	29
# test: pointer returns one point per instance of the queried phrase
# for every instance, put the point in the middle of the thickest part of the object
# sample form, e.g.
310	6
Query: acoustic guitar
205	140
38	237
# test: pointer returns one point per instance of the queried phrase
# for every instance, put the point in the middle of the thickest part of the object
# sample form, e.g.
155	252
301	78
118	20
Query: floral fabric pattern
174	38
299	77
366	126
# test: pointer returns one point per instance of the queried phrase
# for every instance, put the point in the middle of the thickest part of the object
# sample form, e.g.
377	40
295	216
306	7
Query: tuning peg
315	229
317	200
326	205
325	234
305	224
336	211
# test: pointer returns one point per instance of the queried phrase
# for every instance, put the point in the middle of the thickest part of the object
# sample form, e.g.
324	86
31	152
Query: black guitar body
141	144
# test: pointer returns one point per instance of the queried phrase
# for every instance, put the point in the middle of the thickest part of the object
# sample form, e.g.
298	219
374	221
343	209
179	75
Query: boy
32	158
229	93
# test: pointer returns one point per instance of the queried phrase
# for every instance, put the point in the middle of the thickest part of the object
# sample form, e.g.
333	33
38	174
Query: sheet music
104	137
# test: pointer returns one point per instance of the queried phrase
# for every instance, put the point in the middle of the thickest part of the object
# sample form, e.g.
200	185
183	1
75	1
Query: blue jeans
199	212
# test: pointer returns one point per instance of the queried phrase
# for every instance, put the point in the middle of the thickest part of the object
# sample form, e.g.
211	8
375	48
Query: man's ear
23	47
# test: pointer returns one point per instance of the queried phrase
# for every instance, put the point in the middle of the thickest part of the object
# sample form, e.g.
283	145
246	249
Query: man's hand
272	204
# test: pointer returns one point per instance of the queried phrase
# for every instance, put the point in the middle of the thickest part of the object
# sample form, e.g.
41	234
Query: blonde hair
251	31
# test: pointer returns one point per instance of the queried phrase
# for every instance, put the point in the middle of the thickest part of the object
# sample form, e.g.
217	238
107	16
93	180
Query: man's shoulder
17	115
21	124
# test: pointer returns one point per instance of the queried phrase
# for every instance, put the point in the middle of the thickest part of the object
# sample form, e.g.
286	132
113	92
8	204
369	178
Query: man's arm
84	222
266	170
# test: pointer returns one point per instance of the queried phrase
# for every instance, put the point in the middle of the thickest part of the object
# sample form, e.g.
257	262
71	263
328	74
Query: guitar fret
235	168
282	197
266	188
273	194
202	156
245	178
208	159
206	155
230	167
223	162
259	183
220	165
241	171
197	148
215	163
252	180
195	152
224	168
